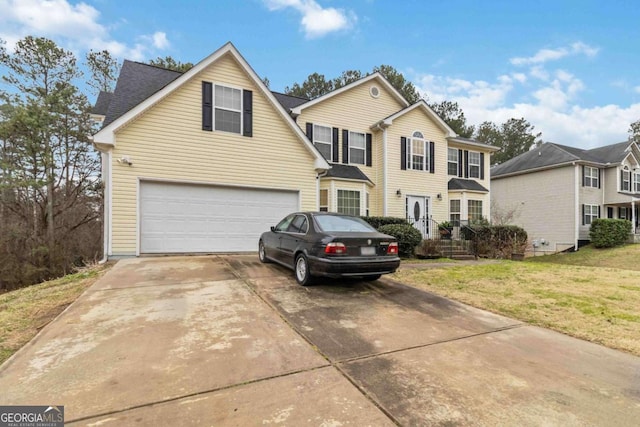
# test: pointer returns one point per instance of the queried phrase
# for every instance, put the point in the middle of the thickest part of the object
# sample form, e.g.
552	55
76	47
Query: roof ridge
293	96
562	148
154	66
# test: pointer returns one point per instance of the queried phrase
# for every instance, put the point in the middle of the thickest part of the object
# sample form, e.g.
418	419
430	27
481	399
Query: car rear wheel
372	277
303	275
262	255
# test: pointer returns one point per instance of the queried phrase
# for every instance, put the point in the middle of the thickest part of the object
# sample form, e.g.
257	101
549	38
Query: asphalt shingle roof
550	154
347	172
102	103
137	82
289	101
465	184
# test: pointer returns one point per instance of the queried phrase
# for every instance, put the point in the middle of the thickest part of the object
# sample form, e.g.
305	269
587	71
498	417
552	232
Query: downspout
106	179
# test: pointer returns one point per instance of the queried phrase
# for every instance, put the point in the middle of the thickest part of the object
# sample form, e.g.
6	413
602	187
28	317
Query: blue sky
569	67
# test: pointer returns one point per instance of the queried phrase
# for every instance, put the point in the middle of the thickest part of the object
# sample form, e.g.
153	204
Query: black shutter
598	211
432	152
584	178
621	180
481	165
599	178
403	153
368	148
583	222
460	163
466	163
336	132
310	131
345	146
207	106
247	114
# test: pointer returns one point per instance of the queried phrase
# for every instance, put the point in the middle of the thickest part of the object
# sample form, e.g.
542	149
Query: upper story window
417	154
452	161
474	164
591	177
228	109
637	182
625	179
357	148
323	140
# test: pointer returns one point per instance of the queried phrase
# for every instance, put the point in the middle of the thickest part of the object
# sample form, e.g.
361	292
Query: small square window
349	202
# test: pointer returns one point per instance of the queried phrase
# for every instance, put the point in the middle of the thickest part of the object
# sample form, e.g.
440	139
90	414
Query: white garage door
177	218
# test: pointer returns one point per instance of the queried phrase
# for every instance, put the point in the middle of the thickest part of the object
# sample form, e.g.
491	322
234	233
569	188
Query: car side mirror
273	229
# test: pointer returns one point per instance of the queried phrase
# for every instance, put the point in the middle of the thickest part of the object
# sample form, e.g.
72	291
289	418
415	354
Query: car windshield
330	223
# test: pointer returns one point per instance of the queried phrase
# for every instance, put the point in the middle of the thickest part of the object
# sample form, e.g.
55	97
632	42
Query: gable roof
136	82
102	103
375	76
289	101
466	184
346	172
387	121
167	82
550	154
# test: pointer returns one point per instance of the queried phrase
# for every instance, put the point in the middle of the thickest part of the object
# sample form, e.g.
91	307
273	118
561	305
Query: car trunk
364	245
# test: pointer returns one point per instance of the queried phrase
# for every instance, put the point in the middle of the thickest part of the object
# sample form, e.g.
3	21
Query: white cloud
75	26
546	55
316	21
549	103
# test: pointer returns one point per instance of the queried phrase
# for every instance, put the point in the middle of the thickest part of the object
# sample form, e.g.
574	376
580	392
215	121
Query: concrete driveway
226	341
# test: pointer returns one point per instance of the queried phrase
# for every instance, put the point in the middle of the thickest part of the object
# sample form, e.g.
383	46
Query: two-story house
556	191
206	160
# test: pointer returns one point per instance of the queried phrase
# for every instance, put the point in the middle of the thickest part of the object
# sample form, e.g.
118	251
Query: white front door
418	213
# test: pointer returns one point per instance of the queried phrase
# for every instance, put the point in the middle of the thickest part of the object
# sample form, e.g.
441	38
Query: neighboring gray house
557	191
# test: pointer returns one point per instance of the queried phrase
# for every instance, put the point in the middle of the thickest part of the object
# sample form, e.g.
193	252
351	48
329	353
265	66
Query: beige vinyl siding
544	202
167	142
356	110
413	182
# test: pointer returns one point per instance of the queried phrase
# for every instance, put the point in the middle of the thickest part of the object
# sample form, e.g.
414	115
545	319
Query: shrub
378	221
497	241
607	233
408	237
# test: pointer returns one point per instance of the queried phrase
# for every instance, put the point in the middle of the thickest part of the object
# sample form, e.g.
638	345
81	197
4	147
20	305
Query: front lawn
597	303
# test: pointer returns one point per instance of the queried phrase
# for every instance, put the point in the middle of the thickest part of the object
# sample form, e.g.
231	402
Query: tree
514	137
346	78
453	115
314	86
51	199
104	70
634	132
171	64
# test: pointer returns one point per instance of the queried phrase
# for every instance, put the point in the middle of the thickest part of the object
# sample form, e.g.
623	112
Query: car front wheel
262	255
303	275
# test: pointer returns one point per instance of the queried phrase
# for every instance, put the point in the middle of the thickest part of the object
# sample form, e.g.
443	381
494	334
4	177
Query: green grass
592	294
25	311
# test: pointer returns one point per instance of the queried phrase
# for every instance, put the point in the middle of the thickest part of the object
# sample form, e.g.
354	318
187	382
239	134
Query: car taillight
335	248
392	249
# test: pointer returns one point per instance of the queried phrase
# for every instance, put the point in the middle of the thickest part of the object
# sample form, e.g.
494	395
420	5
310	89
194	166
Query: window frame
363	148
339	199
455	221
589	178
323	207
626	179
469	209
451	162
473	165
222	108
590	214
411	142
316	142
636	181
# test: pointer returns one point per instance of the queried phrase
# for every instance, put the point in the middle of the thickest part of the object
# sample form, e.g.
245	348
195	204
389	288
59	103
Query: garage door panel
178	218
